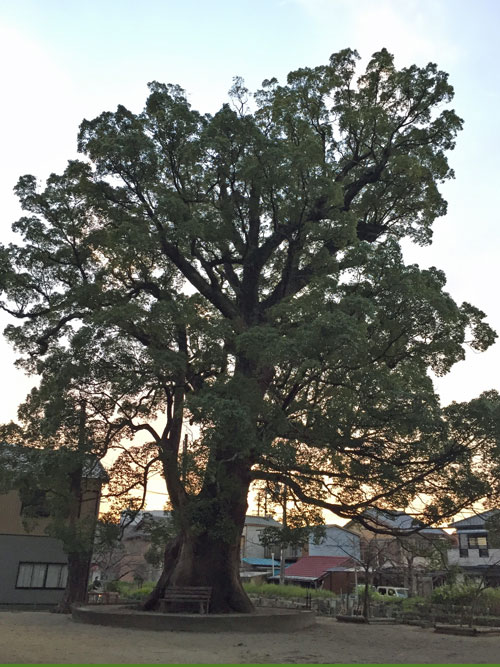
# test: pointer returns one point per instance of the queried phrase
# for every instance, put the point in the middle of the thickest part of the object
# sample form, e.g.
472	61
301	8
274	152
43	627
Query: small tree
64	431
299	523
417	553
65	483
108	551
375	553
160	532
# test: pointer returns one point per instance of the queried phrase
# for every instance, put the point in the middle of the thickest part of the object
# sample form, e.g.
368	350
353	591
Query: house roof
155	514
265	521
134	525
343	528
262	562
315	567
398	521
475	520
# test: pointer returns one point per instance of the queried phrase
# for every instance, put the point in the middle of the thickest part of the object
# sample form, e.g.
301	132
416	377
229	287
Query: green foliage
459	594
159	532
409	605
375	596
490	599
112	587
482	600
50	483
130	591
142	592
287	591
492	525
372	593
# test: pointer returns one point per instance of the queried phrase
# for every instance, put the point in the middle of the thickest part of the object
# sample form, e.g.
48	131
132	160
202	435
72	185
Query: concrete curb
277	620
466	631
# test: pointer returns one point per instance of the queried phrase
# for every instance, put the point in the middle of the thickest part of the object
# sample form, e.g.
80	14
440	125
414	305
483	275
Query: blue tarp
261	562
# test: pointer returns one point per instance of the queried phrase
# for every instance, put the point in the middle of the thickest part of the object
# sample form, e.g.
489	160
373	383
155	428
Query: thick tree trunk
204	561
79	556
76	587
207	550
169	562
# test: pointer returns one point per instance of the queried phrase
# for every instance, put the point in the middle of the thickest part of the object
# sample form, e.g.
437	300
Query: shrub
459	594
143	592
372	593
129	590
112	587
490	599
125	588
411	604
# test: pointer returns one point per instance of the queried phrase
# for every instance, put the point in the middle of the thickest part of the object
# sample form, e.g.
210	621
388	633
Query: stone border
279	620
465	631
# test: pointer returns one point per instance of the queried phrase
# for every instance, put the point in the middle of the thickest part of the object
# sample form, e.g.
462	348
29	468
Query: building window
42	575
463	545
478	542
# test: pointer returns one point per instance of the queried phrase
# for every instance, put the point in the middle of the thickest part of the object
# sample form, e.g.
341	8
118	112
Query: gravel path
41	637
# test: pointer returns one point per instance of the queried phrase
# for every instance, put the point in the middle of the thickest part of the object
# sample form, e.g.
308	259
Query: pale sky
65	60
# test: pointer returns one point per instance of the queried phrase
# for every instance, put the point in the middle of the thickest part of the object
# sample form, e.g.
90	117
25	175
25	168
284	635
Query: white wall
252	546
473	558
337	542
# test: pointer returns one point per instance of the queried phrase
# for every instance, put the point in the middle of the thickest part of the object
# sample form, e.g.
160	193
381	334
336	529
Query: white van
393	592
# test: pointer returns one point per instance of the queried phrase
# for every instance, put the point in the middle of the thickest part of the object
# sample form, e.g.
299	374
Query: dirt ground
41	637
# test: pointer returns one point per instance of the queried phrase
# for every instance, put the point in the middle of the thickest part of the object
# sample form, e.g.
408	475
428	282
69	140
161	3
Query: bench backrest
197	592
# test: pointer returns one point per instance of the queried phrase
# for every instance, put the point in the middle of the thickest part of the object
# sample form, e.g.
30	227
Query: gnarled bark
207	551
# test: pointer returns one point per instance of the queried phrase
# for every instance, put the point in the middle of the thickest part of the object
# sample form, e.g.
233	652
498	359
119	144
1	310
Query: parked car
391	591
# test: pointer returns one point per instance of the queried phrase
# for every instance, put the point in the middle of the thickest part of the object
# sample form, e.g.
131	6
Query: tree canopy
243	271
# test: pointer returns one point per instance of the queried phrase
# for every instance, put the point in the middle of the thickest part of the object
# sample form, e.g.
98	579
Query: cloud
414	31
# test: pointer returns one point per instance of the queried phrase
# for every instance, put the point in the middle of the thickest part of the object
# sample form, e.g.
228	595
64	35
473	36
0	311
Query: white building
474	554
337	541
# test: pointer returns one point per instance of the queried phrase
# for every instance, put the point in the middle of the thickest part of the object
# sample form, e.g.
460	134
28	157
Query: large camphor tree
242	272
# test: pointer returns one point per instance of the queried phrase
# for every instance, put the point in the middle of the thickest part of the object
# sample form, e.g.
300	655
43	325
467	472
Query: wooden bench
197	594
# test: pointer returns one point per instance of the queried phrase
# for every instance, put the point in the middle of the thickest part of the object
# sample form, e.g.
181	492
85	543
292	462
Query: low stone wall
322	606
262	621
429	614
440	616
328	606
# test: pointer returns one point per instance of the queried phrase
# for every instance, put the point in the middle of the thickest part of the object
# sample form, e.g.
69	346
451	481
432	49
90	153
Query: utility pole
283	548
